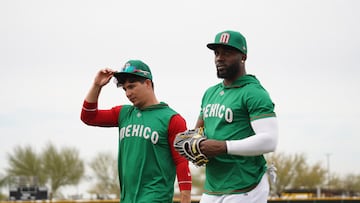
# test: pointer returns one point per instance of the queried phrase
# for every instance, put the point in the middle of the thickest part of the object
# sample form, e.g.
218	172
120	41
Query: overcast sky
305	53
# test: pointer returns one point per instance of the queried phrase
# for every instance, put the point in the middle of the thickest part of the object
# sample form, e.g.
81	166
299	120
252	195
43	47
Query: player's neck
150	102
229	81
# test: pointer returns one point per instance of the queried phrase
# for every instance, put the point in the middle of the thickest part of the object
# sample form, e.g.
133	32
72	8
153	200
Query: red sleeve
91	115
177	124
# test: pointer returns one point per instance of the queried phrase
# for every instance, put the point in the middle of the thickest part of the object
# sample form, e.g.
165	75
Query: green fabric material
229	38
146	168
227	112
133	67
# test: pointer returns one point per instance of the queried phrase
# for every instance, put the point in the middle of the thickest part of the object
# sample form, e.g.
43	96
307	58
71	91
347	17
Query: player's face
136	92
227	62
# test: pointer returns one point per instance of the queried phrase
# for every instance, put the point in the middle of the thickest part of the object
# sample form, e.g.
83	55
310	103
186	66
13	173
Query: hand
185	196
213	148
187	143
103	77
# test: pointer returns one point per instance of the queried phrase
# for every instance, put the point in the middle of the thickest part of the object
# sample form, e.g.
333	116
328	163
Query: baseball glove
187	144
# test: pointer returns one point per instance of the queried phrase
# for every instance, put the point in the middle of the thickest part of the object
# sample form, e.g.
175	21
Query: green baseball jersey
146	168
227	112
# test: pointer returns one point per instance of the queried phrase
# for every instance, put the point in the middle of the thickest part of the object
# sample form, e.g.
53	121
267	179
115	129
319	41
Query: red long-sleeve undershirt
91	115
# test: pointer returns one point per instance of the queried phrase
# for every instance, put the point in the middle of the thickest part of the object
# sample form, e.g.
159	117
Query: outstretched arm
263	141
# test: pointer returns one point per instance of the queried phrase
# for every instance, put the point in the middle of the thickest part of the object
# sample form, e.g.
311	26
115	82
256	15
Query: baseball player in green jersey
241	126
147	160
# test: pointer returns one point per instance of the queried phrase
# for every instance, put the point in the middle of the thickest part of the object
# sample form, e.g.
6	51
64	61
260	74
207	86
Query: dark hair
135	78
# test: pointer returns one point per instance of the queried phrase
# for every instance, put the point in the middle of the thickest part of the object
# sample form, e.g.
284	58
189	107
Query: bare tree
294	172
104	166
63	167
59	168
24	161
3	181
309	177
351	184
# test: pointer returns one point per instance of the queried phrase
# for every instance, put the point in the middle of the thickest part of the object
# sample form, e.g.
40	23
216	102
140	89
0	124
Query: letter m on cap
224	38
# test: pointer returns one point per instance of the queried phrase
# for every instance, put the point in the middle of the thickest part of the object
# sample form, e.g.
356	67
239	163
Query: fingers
103	77
107	71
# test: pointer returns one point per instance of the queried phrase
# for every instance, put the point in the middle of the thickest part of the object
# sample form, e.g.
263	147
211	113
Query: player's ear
149	83
243	58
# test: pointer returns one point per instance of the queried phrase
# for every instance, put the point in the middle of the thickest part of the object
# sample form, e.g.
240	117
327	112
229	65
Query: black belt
248	189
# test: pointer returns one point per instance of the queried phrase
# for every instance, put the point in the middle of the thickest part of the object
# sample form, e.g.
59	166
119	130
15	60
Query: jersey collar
241	81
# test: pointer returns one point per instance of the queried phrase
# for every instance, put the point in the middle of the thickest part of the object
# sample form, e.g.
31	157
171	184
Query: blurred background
305	53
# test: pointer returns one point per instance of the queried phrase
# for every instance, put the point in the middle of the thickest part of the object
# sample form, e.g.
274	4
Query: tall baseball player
147	161
240	125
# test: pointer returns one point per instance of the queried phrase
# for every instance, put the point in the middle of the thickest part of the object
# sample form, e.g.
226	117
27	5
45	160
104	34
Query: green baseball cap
133	67
229	38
